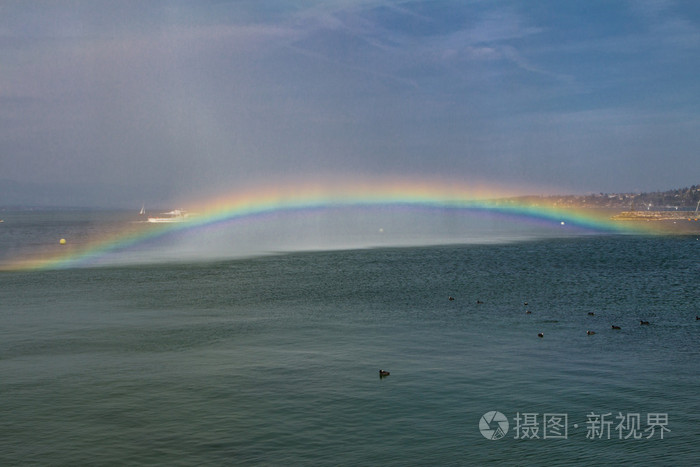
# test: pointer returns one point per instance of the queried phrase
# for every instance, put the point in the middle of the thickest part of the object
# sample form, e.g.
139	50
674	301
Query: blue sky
123	102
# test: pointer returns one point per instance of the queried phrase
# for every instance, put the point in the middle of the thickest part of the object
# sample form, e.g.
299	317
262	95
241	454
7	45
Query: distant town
685	199
681	200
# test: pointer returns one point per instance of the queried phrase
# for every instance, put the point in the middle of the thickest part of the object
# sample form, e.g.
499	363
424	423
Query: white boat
143	209
176	215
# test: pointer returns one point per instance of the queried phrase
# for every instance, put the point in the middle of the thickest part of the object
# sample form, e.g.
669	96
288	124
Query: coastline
657	216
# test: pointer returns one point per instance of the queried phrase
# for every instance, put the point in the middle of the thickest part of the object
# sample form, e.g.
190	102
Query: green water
275	360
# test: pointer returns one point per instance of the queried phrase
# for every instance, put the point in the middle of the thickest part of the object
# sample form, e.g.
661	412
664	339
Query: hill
681	199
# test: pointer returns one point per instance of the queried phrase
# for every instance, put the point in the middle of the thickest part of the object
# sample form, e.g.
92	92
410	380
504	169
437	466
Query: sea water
275	359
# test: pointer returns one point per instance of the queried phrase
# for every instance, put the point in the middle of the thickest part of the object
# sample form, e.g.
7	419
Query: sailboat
143	209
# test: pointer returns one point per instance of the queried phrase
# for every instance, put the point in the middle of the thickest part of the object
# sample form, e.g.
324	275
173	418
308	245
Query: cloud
207	95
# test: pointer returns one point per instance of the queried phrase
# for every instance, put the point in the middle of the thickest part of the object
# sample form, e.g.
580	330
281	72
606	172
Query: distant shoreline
657	216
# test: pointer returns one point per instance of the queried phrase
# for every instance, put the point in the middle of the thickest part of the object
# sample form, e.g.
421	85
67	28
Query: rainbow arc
301	198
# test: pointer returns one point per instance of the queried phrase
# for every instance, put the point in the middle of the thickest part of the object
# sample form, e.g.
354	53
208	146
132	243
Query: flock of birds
590	333
590	313
384	373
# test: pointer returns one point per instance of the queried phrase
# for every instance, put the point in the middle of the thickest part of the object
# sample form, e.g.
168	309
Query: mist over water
37	233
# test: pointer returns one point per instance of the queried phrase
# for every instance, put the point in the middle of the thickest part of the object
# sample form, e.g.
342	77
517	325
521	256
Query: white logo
493	425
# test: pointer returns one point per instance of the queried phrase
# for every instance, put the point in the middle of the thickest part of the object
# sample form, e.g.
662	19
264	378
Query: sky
119	103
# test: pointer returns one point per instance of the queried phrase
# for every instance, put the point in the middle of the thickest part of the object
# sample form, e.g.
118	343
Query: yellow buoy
62	241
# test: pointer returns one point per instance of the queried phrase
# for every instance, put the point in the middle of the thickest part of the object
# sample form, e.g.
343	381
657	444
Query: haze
115	104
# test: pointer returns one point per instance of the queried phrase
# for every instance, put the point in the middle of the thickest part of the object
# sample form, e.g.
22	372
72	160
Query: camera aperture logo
493	425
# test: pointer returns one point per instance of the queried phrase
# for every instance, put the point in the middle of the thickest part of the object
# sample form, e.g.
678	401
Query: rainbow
304	197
